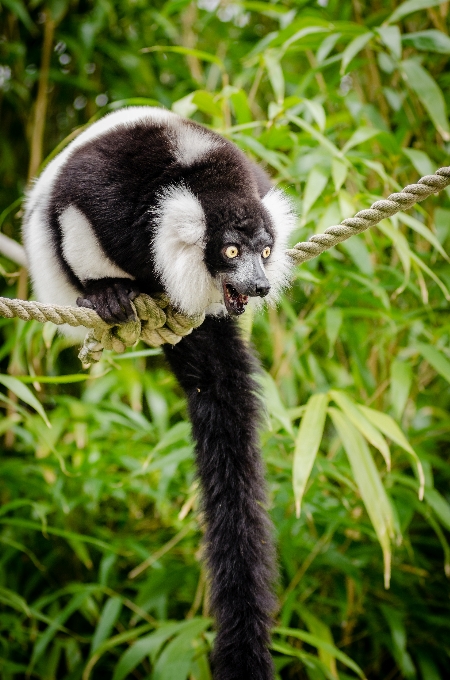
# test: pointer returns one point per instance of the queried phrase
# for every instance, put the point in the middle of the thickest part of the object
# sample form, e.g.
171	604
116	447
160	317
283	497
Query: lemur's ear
181	215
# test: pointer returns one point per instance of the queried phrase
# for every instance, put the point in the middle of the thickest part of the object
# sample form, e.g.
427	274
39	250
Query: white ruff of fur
192	143
279	267
82	250
178	249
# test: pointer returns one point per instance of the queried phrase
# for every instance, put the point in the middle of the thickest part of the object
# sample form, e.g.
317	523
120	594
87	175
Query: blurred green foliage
100	572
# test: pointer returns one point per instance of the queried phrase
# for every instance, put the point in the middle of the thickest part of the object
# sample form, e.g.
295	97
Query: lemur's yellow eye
266	252
231	252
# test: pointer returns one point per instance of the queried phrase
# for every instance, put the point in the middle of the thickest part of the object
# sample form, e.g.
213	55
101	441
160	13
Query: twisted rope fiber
411	194
157	322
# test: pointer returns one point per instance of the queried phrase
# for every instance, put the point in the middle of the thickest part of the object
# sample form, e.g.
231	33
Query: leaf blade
307	444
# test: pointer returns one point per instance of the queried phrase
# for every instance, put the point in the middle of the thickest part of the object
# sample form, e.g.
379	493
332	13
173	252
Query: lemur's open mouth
234	301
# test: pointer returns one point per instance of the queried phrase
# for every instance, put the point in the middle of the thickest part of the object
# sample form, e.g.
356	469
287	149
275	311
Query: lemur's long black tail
214	367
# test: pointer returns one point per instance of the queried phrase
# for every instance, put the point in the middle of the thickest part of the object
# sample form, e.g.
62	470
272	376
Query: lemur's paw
110	298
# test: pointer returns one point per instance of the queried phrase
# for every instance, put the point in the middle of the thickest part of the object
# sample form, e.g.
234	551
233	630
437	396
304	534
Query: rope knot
156	323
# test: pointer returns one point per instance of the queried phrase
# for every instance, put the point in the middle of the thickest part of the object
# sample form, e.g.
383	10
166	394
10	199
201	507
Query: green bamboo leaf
275	73
70	535
400	386
434	524
364	426
421	264
25	394
18	8
205	102
271	157
428	667
19	546
319	643
377	167
200	668
360	136
56	379
307	444
188	51
317	112
420	160
111	643
264	7
106	622
392	38
311	662
241	107
322	631
81	552
411	6
274	404
357	249
149	645
318	136
396	624
389	427
175	660
47	636
436	359
356	45
421	229
11	599
326	46
339	171
302	33
401	245
440	506
139	353
429	41
315	184
369	484
333	323
429	94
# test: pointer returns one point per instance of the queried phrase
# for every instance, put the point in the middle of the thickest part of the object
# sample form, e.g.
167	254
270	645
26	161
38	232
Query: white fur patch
50	282
280	265
82	250
192	143
216	309
178	250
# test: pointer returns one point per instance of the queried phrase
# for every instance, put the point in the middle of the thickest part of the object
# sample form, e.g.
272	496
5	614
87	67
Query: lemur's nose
262	288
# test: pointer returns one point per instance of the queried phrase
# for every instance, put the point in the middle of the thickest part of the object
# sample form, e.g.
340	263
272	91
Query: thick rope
411	194
157	322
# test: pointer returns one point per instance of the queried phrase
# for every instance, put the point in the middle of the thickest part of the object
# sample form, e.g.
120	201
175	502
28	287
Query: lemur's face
240	242
221	247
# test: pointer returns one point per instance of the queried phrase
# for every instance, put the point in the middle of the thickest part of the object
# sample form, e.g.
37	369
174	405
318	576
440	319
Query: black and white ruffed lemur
146	201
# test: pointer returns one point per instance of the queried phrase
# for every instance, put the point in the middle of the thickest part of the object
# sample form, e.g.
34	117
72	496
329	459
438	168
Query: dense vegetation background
100	571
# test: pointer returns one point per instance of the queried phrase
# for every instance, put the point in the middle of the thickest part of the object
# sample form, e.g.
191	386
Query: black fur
214	367
115	181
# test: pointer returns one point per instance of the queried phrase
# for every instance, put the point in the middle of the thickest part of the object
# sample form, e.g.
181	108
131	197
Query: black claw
125	301
84	302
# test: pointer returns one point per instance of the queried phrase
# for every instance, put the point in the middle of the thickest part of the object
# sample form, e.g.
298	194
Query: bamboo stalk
40	108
